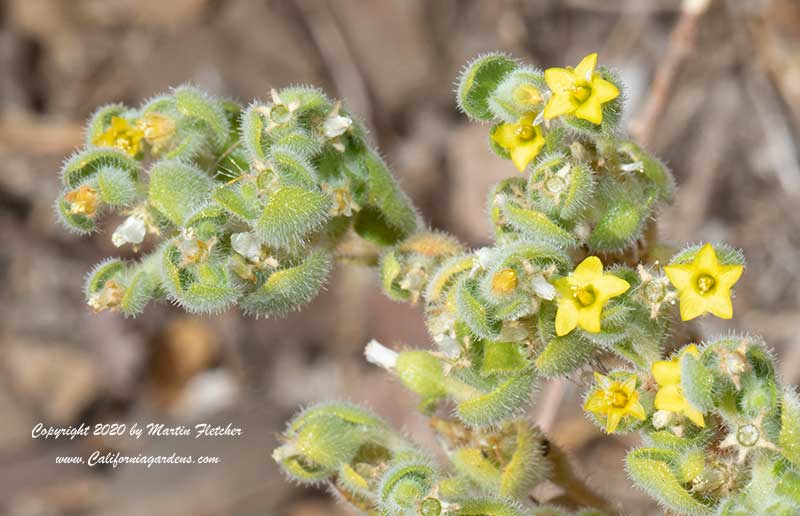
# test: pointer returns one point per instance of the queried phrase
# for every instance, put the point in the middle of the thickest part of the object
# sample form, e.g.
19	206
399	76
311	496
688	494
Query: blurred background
712	88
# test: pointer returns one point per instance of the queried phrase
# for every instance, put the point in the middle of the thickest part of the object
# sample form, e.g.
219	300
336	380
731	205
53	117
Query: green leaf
478	80
115	186
290	288
291	213
178	189
502	357
537	226
563	355
651	470
789	437
620	226
196	104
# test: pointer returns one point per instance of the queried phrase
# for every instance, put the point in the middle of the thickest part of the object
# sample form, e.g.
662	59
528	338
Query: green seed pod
291	213
177	190
621	225
503	358
491	400
204	288
478	317
197	105
560	187
317	448
536	225
652	469
101	119
697	382
520	92
309	100
384	196
488	507
564	355
446	276
253	133
140	290
422	373
115	186
298	141
477	81
290	288
653	169
404	487
85	164
390	270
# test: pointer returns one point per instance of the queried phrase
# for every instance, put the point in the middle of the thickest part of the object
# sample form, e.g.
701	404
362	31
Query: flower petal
603	90
560	104
706	260
589	269
566	317
694	415
604	382
636	410
629	386
679	275
729	275
591	110
589	317
692	305
666	372
670	398
720	304
523	154
505	136
596	403
608	286
559	80
614	417
586	67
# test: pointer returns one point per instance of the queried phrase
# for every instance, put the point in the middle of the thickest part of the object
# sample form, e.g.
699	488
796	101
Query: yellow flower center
619	399
504	282
586	296
582	92
706	283
525	132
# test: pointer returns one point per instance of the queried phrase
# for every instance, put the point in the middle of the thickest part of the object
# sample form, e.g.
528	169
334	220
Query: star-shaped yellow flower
615	400
122	135
522	140
580	91
583	294
704	285
669	397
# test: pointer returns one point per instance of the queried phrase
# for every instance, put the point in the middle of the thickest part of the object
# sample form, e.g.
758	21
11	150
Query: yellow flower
615	400
704	285
522	140
669	397
157	130
83	201
122	135
580	91
583	294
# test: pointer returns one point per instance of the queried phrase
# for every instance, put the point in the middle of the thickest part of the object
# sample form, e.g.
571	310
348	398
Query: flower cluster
226	205
248	206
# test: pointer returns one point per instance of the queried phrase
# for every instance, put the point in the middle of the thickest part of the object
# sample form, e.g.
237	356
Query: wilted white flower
132	231
247	245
